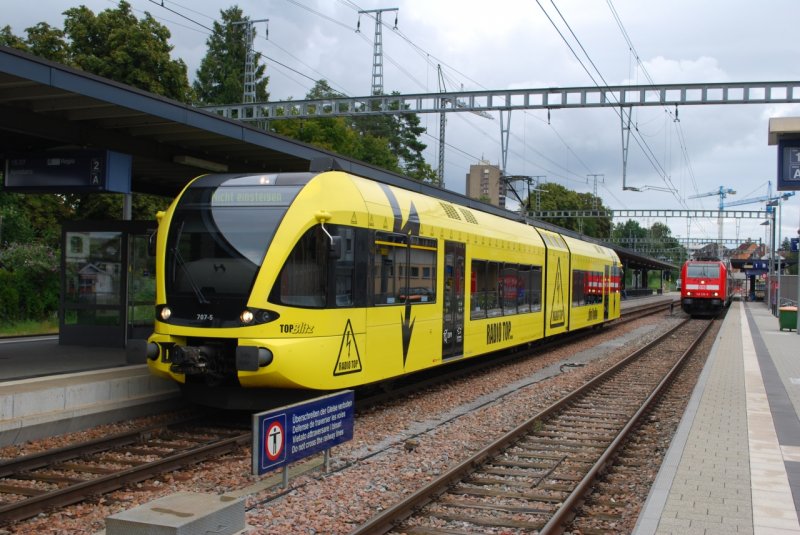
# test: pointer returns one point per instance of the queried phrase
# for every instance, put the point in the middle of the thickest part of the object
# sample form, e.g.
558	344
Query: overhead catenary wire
563	173
647	151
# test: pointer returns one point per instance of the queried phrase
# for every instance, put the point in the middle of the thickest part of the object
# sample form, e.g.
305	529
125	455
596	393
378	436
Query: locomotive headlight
246	317
716	294
165	313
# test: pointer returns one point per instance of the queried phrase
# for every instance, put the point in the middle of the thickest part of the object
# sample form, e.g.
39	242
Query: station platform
48	389
734	464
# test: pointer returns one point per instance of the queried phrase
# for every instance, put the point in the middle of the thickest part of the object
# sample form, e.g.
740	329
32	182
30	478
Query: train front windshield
704	271
218	237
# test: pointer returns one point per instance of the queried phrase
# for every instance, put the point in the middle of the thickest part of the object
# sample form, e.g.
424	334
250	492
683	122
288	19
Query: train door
453	298
558	279
606	291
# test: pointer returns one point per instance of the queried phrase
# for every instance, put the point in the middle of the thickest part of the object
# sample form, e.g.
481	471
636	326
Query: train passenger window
499	289
587	287
485	300
477	308
529	289
403	269
421	281
388	257
508	288
577	288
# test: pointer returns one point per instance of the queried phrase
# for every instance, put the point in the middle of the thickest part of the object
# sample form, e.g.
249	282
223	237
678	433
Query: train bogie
329	281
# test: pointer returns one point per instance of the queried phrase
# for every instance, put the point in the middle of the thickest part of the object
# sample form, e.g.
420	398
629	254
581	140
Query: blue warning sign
290	433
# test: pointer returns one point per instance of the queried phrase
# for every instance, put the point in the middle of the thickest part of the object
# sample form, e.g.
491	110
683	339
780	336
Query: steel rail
566	511
393	516
73	451
78	492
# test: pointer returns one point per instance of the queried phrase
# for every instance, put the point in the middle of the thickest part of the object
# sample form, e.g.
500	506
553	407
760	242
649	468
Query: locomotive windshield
219	235
707	271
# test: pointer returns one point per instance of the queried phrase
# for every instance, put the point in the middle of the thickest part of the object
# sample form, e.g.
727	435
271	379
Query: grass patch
24	328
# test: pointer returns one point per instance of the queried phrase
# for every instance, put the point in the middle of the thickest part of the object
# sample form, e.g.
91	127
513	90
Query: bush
29	282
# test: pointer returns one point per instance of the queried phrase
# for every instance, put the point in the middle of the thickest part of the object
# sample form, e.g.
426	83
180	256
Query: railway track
535	477
37	483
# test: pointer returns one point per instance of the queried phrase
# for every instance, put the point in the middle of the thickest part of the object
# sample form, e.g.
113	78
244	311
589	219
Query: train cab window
302	281
344	267
403	269
317	259
697	271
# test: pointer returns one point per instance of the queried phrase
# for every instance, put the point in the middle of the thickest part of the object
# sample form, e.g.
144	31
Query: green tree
108	206
220	78
113	44
403	132
557	197
29	218
29	281
117	45
386	141
7	38
627	234
48	42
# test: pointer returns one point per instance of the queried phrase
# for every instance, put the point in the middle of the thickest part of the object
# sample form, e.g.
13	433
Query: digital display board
69	171
789	165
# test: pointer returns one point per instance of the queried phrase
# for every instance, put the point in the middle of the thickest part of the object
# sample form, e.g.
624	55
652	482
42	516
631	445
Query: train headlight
688	293
165	313
246	317
716	294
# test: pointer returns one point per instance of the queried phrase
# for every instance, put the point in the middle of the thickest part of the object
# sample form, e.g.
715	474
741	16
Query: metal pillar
249	92
377	50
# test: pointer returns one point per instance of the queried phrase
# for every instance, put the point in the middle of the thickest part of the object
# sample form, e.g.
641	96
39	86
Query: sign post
293	432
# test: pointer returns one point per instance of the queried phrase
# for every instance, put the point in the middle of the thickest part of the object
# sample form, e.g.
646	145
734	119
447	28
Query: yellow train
328	280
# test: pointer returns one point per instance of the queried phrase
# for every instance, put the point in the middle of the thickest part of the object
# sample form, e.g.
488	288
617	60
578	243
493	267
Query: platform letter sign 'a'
789	165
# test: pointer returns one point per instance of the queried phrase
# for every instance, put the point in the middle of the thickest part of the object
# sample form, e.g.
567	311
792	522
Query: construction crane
722	192
771	200
764	198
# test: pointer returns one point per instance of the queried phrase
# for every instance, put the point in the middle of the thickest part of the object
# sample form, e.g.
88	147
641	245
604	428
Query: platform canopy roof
46	105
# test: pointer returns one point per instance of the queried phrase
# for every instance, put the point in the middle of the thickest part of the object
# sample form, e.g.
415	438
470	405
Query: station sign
795	242
293	432
69	171
755	267
789	165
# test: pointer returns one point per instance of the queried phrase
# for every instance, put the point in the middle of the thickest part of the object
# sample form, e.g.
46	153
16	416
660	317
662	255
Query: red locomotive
706	287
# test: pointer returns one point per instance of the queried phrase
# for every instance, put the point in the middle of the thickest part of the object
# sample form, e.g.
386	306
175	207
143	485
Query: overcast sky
513	44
